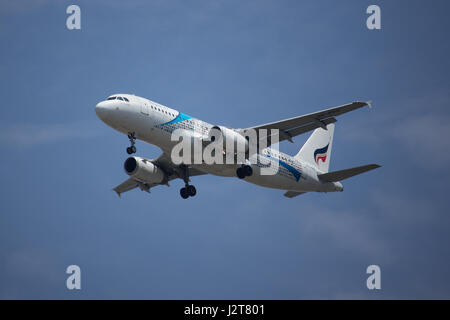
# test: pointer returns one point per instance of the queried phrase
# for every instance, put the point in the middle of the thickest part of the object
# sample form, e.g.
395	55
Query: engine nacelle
229	135
143	170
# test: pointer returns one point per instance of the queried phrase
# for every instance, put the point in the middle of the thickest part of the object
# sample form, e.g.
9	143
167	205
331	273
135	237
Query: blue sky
234	63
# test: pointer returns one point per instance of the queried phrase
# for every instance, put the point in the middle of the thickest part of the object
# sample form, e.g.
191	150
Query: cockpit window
118	98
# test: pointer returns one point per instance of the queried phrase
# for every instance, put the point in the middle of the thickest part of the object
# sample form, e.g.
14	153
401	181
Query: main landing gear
188	190
244	171
132	148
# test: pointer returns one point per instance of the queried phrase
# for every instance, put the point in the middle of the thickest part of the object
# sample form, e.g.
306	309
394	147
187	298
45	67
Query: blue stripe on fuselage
179	118
297	174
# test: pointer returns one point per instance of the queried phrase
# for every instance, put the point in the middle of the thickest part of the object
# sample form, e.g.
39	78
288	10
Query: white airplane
307	171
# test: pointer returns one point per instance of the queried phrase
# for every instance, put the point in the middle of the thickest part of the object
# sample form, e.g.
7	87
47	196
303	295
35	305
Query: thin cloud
426	137
12	7
26	135
410	126
34	267
350	230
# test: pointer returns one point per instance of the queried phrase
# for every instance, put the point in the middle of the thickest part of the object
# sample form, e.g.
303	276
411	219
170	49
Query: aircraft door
144	108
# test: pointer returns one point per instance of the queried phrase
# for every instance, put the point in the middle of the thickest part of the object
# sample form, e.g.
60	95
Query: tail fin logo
321	154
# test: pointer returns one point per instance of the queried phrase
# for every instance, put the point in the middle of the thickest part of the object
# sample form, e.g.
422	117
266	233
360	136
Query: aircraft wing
172	171
292	127
131	184
127	185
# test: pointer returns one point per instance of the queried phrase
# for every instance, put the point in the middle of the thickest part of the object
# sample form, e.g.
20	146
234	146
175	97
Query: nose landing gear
132	148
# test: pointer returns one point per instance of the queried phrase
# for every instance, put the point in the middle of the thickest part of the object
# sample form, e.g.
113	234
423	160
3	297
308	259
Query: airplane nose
102	110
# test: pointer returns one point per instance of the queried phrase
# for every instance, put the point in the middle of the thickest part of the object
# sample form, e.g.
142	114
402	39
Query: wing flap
300	130
294	126
127	185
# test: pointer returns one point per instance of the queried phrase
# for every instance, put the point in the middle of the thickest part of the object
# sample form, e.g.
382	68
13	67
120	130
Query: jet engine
144	170
228	135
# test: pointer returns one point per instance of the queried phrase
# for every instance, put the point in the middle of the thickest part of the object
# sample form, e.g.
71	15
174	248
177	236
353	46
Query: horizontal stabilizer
291	194
347	173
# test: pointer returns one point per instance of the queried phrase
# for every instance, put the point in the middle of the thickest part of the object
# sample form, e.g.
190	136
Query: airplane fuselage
154	123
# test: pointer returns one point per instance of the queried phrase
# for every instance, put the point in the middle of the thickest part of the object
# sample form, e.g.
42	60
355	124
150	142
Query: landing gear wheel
191	190
244	171
132	148
188	190
240	173
184	193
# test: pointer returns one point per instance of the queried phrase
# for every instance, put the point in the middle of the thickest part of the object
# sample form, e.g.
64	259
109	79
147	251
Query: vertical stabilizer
317	149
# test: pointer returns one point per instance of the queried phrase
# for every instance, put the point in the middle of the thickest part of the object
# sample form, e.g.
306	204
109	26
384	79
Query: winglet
369	104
